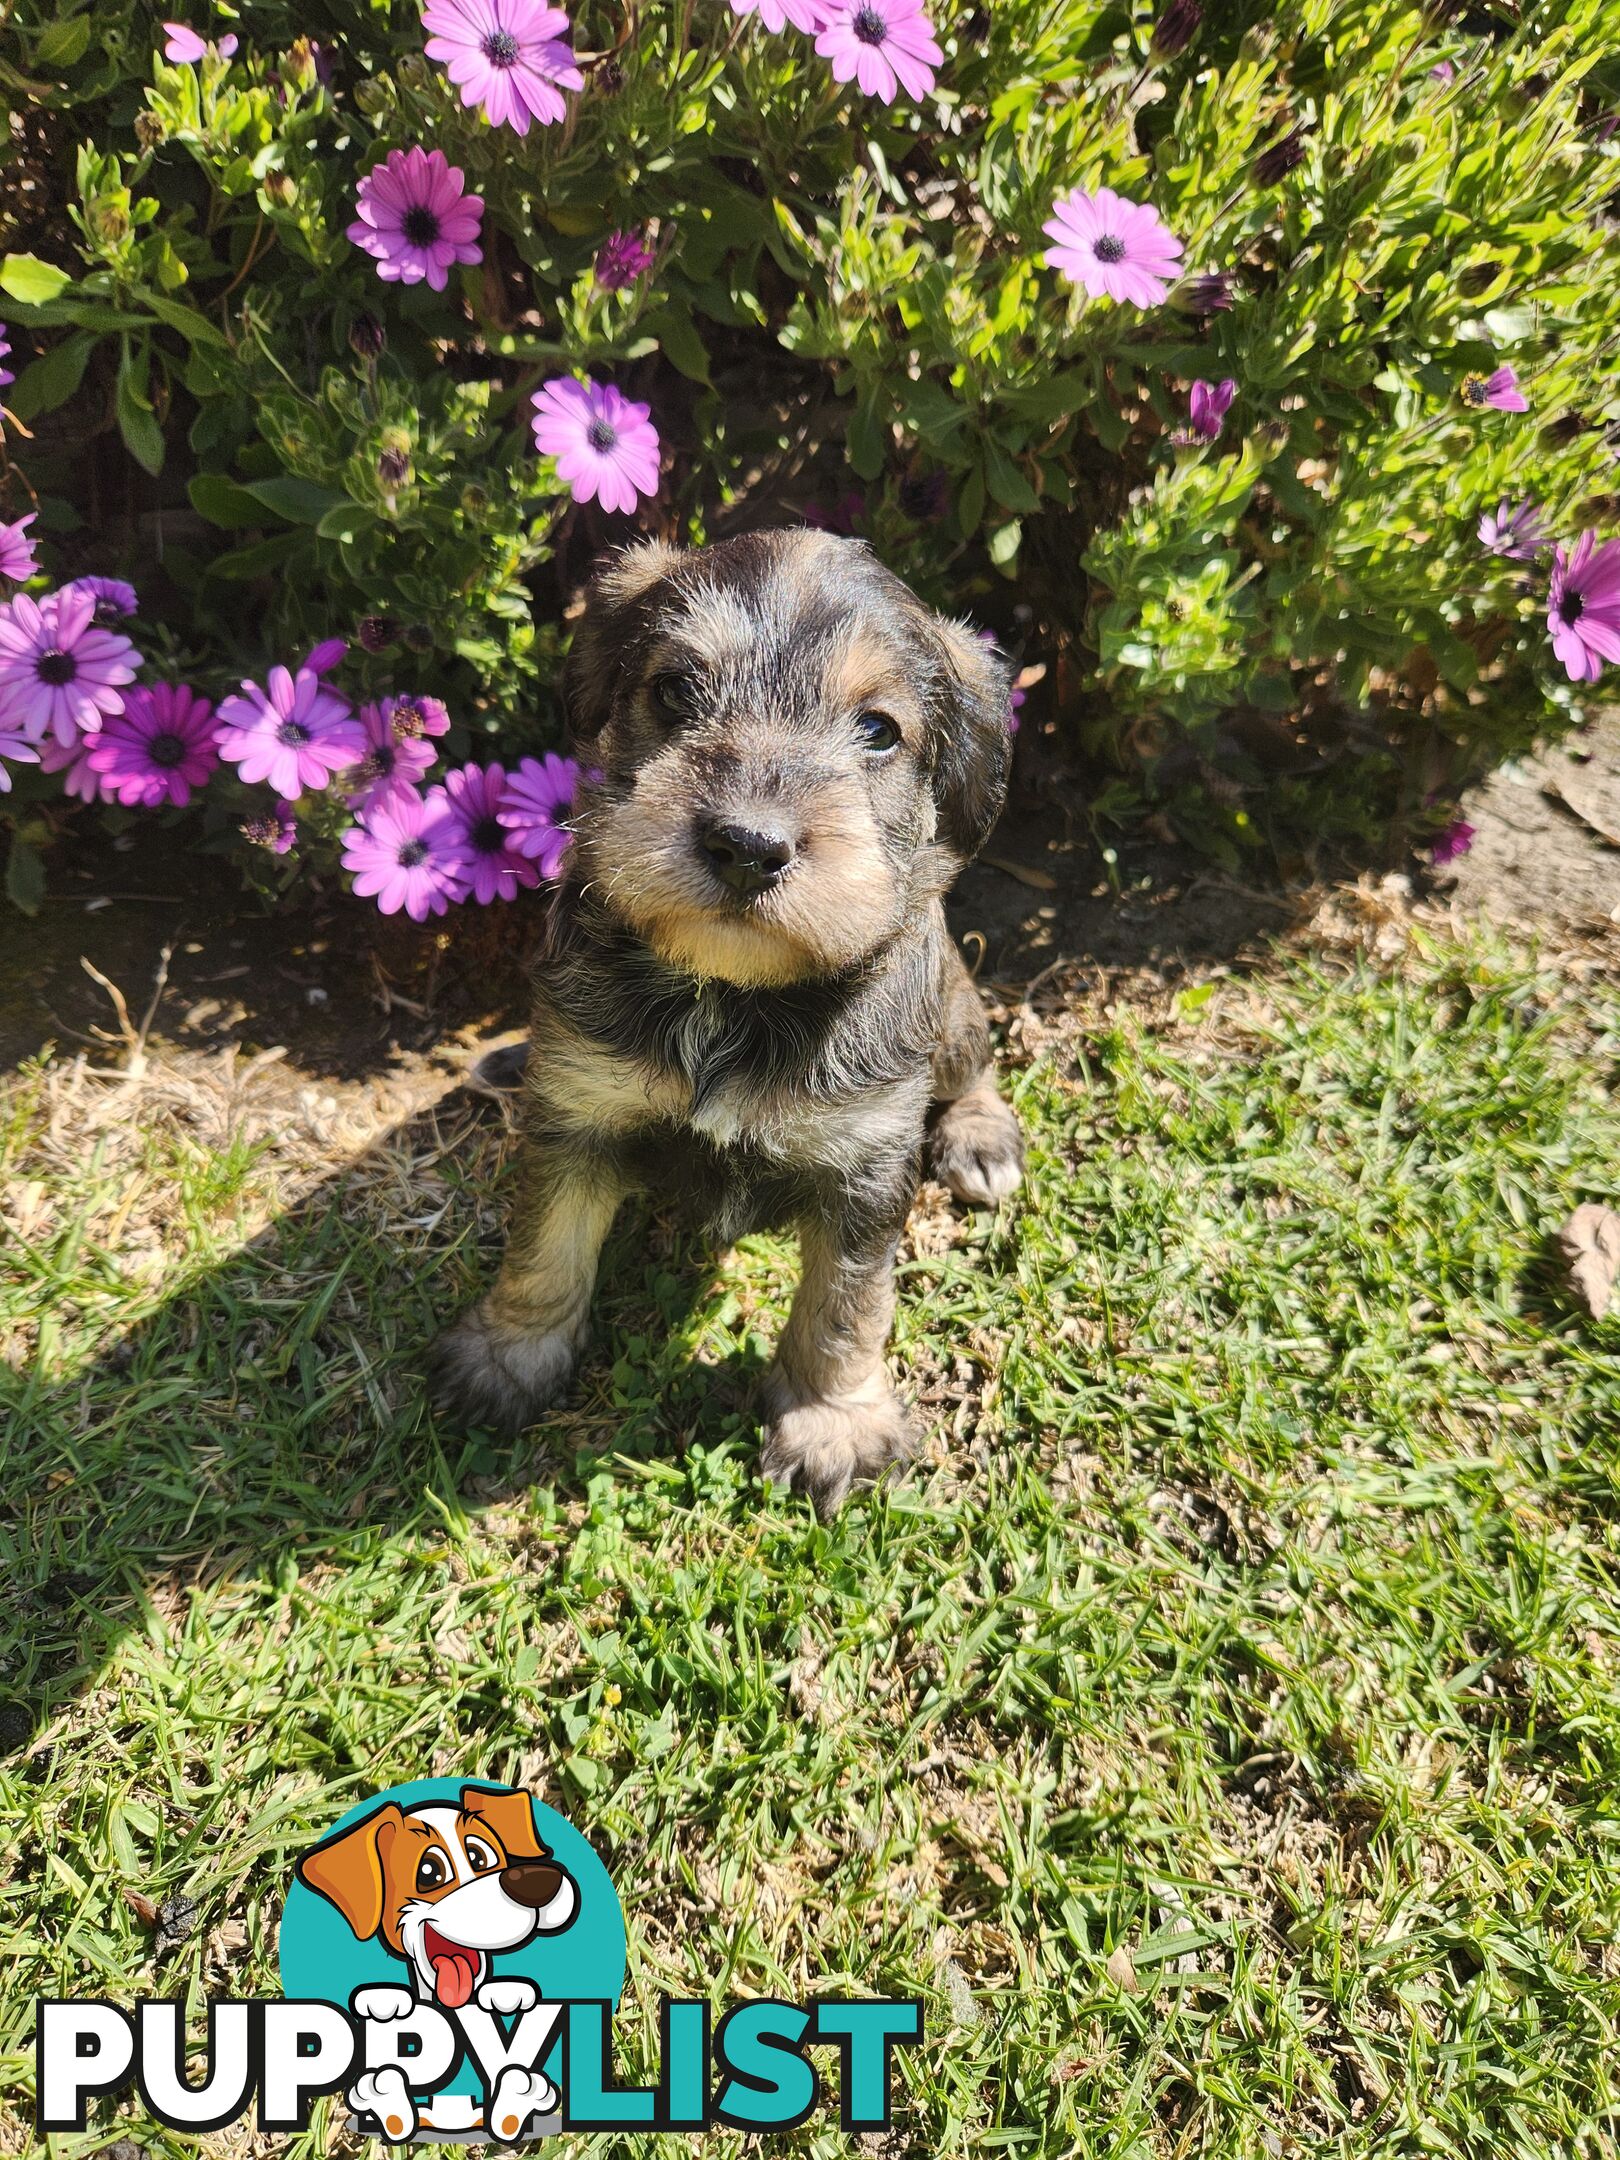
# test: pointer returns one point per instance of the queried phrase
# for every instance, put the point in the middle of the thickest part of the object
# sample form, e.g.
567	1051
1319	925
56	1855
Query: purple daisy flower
326	655
620	260
1443	71
405	853
493	865
1456	840
886	45
1583	606
72	760
509	56
276	830
1112	246
537	798
17	551
414	717
1500	390
115	601
390	760
6	375
184	47
1514	530
605	444
158	749
60	674
1207	405
295	732
806	15
417	218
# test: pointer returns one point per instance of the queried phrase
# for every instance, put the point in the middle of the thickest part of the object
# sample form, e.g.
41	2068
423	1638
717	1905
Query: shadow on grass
271	1414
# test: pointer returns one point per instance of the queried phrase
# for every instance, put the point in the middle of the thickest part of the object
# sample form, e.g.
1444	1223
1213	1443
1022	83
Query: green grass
1254	1615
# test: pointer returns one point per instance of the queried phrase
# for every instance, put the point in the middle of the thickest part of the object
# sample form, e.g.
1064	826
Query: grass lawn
1219	1730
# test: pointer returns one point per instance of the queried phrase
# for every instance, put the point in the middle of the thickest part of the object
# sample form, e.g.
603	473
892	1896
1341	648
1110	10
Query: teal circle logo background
322	1960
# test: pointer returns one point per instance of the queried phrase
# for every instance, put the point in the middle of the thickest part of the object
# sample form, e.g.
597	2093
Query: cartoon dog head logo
445	1886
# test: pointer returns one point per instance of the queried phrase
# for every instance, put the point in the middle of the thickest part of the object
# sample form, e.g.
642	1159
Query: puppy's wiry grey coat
751	1000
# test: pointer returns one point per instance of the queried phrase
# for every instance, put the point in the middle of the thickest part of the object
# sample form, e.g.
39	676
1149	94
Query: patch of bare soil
1546	846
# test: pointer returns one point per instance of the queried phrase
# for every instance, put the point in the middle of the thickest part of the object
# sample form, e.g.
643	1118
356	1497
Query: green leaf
243	564
63	44
1005	542
970	503
678	335
33	282
1007	484
345	521
300	502
53	378
194	327
25	876
868	438
223	501
137	422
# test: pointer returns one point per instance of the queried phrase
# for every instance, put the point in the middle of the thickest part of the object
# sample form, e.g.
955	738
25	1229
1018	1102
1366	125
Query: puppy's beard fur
837	903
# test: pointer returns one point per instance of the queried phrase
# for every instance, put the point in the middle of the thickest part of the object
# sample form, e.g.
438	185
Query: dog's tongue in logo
455	1970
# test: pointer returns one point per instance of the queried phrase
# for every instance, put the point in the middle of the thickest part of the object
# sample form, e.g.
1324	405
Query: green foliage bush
851	300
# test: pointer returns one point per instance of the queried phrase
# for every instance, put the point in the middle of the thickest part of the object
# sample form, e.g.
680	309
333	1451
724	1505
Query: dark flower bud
608	78
925	496
474	499
1478	278
149	130
1279	160
394	466
1176	28
375	633
1208	294
367	337
418	637
281	188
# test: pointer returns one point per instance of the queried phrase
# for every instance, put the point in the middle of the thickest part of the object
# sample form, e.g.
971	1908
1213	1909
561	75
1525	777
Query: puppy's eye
480	1856
674	692
432	1873
877	732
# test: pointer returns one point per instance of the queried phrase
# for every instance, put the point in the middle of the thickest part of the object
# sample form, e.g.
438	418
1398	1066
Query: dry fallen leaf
142	1907
1025	873
1122	1972
1590	1244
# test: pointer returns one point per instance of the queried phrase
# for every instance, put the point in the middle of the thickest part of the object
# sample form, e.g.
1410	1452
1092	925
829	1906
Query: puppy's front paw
508	1997
976	1148
823	1447
519	2096
383	2004
490	1374
382	2097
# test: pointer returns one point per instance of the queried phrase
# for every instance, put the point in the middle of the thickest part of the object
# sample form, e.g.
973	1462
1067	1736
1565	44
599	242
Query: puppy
751	999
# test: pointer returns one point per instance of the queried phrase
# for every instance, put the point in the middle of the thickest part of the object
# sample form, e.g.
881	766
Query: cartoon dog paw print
383	2097
519	2096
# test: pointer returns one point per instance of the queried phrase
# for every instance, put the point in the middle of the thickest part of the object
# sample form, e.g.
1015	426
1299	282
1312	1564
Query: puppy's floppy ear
347	1870
613	599
511	1818
973	740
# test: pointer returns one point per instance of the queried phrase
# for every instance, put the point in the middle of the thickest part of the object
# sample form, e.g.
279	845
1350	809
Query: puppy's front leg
833	1417
511	1357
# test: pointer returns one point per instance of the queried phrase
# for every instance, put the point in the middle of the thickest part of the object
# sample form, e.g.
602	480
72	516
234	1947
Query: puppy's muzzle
532	1883
747	858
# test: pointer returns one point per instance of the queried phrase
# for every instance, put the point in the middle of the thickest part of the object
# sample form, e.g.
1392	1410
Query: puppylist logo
451	1958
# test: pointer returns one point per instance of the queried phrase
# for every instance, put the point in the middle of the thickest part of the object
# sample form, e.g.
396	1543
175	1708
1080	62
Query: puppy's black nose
531	1882
748	858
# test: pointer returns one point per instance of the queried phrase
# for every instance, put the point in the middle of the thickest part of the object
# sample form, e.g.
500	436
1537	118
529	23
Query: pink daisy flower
509	56
806	15
6	375
1514	530
1112	246
17	560
1456	840
390	760
493	865
413	717
605	444
184	47
295	732
326	655
620	260
276	830
1583	606
1207	406
535	801
72	760
886	45
115	601
405	852
158	749
1499	390
417	218
60	674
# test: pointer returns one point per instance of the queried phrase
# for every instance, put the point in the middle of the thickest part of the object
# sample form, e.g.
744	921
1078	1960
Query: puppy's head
794	753
445	1887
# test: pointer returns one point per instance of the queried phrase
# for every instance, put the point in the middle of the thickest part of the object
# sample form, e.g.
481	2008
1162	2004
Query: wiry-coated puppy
752	999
